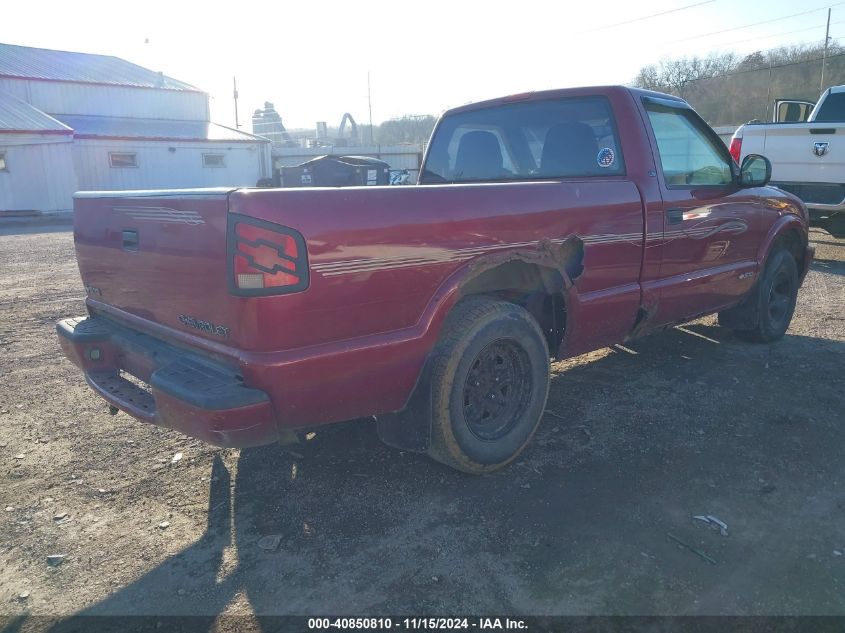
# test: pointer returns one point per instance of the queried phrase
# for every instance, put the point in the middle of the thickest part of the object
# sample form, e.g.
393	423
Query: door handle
674	216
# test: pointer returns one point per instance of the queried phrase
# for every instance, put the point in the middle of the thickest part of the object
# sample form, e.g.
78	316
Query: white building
75	121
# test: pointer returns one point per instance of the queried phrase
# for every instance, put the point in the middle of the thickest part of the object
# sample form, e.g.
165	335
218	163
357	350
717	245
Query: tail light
265	258
736	147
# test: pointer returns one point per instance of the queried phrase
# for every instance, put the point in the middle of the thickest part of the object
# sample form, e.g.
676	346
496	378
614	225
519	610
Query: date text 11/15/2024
413	624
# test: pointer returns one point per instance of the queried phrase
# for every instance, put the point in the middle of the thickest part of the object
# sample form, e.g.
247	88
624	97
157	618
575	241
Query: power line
632	82
647	17
765	37
748	26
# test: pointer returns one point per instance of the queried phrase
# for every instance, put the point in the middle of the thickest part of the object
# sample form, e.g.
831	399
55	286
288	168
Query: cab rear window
557	138
832	109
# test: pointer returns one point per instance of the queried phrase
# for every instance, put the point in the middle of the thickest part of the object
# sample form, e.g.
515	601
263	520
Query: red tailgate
160	256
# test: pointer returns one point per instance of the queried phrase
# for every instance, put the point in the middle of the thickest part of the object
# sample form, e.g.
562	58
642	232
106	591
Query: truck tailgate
160	256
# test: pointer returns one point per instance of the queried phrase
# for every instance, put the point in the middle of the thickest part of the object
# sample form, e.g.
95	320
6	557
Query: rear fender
410	428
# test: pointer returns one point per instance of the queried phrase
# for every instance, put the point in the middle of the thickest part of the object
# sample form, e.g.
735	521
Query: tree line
407	129
730	89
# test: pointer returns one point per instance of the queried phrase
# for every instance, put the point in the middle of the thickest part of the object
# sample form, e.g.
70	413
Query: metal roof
41	63
17	116
85	126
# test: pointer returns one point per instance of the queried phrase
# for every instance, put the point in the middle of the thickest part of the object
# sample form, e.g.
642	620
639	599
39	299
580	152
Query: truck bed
380	262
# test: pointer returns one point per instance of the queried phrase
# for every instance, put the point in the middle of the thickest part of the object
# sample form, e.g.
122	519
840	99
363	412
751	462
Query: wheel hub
780	296
496	389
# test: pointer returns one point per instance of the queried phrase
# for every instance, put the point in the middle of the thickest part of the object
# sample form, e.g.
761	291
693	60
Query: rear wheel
490	380
775	299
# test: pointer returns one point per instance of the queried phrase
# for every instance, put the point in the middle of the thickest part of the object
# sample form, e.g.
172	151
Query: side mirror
756	171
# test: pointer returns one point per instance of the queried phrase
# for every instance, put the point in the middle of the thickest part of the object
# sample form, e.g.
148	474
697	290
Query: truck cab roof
559	93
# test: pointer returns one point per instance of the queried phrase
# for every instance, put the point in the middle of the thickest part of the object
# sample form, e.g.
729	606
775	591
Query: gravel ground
637	440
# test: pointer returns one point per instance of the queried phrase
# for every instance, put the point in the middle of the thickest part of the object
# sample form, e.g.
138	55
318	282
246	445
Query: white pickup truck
807	153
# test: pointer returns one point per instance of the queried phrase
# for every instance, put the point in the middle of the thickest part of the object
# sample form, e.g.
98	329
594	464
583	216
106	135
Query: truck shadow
636	440
830	266
24	227
814	241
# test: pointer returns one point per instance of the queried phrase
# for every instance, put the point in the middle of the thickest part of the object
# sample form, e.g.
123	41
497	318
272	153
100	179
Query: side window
120	159
688	154
213	160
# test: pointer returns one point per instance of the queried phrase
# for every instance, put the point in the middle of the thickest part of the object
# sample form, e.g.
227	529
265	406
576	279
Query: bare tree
675	75
407	129
731	89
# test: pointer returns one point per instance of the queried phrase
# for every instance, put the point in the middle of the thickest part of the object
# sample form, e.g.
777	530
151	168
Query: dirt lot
636	441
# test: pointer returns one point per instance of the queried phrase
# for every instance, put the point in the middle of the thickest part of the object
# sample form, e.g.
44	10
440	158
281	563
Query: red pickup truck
544	225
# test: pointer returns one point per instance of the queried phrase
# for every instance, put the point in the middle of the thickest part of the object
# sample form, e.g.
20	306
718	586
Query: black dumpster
337	171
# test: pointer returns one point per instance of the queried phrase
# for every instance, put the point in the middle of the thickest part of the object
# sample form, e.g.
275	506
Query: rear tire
775	299
836	225
489	384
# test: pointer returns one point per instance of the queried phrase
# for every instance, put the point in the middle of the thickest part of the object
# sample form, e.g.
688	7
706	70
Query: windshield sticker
606	157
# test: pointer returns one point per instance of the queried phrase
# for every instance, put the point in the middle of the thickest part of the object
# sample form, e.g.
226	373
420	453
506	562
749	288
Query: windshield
560	138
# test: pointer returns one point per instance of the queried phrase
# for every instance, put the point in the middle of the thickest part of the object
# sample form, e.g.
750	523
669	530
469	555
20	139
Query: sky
312	59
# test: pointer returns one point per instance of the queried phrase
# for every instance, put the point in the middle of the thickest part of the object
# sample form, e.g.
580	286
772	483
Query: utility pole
824	55
370	106
235	95
768	94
